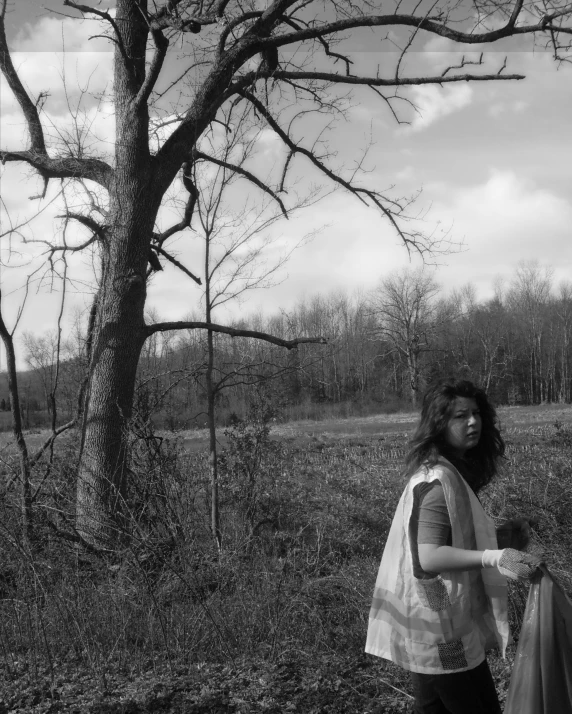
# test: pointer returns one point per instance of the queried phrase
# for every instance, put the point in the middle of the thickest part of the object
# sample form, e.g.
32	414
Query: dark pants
470	692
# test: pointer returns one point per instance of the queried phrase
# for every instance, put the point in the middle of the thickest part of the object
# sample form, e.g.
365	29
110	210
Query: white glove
512	563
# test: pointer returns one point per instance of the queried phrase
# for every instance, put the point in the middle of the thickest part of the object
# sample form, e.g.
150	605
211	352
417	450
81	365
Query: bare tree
237	51
407	319
234	247
25	468
41	357
528	296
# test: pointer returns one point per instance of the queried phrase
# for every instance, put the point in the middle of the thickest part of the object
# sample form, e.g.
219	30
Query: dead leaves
332	684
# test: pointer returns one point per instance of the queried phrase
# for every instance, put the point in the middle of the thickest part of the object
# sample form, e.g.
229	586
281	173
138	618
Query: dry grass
294	588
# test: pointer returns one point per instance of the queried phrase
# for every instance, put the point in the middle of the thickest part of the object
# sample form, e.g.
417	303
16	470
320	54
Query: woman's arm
438	558
511	563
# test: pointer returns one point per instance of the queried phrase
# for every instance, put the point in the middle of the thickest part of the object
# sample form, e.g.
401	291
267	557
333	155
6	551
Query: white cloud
495	110
93	124
505	220
362	114
75	81
515	107
516	206
502	220
57	34
434	103
407	173
64	75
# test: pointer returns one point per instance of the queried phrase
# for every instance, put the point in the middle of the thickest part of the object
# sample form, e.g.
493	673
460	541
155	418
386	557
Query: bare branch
337	56
36	155
29	108
221	7
465	62
63	167
416	240
76	537
422	23
247	174
87	222
43	194
104	16
16	229
387	100
515	13
176	263
66	248
233	332
168	16
185	222
295	148
49	441
396	81
245	17
285	169
161	47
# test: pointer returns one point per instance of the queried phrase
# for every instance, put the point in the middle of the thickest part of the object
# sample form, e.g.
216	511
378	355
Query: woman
440	599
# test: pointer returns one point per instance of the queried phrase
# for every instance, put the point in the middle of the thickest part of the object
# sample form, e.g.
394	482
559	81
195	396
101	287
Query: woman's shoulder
430	491
442	473
431	471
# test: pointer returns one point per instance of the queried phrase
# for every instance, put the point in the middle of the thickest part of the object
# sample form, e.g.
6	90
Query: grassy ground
379	424
276	624
511	417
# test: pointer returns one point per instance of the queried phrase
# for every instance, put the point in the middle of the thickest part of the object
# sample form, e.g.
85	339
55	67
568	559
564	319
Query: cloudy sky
493	161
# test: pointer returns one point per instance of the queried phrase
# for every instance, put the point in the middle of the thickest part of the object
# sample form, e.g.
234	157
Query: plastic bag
541	680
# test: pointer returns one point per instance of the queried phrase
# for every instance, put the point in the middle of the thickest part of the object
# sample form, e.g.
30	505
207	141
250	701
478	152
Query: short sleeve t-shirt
430	522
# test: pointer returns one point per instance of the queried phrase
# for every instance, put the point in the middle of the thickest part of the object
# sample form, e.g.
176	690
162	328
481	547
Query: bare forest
381	351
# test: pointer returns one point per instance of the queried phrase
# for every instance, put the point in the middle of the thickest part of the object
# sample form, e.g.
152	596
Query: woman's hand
512	563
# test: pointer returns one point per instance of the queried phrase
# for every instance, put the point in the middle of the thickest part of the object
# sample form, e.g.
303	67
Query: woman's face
463	429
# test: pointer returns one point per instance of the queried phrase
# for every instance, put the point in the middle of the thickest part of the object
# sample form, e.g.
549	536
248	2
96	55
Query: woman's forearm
439	558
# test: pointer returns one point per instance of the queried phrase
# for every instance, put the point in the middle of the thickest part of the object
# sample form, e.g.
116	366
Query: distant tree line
383	348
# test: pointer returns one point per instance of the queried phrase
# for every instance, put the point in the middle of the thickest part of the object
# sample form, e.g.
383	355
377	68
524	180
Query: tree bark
101	489
120	327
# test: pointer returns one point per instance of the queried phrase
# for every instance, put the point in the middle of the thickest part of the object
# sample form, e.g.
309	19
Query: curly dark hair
479	464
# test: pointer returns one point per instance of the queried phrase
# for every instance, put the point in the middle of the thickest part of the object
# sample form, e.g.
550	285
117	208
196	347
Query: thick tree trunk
102	471
120	327
118	340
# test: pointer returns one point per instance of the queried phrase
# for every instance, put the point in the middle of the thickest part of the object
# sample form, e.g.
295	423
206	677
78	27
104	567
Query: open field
520	417
277	622
399	423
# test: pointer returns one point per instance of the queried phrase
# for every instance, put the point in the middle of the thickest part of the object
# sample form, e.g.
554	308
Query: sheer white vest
444	624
